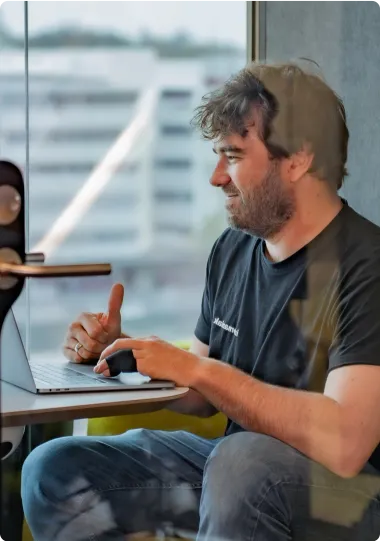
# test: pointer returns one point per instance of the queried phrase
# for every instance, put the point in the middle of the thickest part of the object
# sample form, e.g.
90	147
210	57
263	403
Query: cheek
245	175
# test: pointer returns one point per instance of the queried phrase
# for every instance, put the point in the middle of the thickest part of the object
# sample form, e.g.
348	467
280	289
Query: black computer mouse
121	361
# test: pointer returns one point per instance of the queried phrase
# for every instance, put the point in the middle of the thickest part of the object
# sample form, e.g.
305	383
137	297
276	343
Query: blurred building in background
115	173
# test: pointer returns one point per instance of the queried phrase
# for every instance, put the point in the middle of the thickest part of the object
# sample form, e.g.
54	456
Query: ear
297	165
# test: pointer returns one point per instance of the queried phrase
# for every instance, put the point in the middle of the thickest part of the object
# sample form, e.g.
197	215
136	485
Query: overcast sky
215	20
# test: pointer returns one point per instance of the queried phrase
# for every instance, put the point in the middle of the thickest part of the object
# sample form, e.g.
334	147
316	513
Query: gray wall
344	38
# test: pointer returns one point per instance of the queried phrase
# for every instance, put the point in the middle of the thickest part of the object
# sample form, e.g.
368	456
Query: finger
70	332
102	368
93	327
102	318
84	354
92	346
72	356
124	343
115	303
139	354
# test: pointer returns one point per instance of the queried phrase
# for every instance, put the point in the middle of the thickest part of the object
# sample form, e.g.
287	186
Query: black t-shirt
291	323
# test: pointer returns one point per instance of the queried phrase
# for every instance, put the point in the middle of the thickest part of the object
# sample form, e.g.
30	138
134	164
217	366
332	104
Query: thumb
115	303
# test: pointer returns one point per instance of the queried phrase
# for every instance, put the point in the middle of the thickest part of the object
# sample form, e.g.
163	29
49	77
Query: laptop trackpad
130	378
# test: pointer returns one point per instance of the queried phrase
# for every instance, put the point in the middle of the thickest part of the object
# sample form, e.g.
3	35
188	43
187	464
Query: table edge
105	409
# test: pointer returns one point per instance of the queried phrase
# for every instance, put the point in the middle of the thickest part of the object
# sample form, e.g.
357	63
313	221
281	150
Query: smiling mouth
229	201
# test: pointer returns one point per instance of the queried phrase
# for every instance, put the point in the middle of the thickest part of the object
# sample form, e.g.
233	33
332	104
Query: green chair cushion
211	427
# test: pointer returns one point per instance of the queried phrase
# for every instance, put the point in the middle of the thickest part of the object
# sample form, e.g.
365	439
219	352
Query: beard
264	210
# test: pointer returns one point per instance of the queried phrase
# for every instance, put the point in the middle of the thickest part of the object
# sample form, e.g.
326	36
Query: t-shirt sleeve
203	326
357	329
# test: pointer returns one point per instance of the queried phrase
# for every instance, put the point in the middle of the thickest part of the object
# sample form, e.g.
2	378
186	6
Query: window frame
256	31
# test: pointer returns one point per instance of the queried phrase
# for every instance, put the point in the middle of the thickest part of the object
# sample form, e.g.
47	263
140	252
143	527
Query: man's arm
339	429
194	403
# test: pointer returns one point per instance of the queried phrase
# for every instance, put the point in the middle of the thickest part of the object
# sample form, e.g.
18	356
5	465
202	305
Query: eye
232	158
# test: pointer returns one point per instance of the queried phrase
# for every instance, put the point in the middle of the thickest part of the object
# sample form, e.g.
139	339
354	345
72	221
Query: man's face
258	199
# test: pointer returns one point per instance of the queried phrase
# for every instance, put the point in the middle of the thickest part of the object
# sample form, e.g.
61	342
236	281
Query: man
287	345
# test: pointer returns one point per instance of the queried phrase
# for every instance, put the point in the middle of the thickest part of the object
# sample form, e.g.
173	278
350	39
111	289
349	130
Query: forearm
309	422
193	404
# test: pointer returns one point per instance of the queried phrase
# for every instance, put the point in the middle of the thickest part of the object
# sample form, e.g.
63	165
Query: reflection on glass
116	172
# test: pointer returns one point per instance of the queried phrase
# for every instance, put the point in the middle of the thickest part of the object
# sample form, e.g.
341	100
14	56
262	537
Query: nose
220	177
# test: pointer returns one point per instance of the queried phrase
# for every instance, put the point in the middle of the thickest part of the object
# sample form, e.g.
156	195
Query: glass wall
115	173
342	38
100	127
13	115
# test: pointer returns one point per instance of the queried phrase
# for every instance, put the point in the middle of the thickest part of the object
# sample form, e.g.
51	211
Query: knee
59	493
48	471
244	467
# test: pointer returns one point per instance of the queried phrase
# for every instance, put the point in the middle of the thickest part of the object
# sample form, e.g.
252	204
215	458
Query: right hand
95	331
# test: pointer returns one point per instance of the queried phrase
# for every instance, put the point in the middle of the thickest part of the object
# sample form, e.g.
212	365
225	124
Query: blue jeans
244	486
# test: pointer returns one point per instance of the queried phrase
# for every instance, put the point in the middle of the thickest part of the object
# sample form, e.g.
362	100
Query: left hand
155	358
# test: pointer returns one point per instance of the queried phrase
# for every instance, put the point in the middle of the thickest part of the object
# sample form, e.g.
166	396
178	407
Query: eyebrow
229	148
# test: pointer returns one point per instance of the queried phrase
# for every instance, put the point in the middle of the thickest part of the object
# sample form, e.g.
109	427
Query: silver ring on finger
78	345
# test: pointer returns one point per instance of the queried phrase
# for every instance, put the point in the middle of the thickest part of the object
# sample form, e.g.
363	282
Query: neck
308	221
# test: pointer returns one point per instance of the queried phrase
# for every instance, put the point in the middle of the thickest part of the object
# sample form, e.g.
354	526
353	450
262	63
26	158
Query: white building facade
115	174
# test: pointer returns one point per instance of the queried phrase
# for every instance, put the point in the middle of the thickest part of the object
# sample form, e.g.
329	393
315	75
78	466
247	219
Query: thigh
143	478
263	485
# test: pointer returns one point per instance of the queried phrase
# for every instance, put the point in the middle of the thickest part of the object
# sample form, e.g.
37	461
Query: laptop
59	376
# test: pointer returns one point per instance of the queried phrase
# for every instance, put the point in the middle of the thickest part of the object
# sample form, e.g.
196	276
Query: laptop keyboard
58	376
